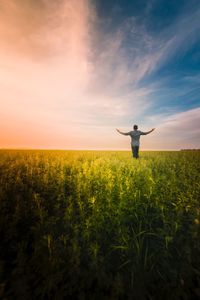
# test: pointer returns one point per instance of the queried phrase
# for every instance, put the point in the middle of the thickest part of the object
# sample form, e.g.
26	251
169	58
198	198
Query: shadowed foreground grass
99	225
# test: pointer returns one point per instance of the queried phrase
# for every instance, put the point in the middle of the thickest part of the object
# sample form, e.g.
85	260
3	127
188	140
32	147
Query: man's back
135	137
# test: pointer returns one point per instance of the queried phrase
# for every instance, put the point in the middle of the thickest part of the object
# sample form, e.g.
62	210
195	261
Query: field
99	225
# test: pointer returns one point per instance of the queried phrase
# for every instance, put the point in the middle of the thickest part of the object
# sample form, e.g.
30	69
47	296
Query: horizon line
86	149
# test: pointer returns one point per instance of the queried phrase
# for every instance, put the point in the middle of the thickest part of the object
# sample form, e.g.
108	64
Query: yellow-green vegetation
99	225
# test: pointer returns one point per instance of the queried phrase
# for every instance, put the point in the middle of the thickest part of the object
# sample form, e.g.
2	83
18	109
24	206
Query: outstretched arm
124	133
149	131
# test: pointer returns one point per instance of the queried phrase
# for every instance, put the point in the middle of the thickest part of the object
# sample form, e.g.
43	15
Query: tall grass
99	225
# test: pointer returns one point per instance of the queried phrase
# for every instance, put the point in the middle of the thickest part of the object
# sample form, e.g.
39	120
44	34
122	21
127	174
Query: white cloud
178	131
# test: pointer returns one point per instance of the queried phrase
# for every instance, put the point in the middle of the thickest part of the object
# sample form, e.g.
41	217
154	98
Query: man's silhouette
135	139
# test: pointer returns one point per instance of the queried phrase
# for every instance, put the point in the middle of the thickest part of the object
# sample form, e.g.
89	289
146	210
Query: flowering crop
99	225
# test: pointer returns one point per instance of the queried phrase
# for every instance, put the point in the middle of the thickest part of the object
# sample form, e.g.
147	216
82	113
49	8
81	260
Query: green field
99	225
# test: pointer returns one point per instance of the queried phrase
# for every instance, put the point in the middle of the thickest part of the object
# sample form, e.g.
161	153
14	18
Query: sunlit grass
99	225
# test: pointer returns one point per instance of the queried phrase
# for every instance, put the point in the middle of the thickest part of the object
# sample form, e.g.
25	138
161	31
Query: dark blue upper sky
166	35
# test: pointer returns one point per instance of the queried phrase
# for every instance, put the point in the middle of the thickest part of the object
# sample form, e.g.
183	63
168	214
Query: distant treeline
190	149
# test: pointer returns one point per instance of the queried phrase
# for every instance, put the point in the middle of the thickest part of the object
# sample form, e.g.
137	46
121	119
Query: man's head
135	127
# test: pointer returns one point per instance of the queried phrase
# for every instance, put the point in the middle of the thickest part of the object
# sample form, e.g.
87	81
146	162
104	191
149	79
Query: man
135	139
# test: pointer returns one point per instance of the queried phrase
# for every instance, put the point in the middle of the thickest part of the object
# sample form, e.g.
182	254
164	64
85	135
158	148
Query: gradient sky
71	71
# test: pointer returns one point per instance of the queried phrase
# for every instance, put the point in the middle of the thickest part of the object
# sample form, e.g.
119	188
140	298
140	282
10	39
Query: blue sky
171	27
73	71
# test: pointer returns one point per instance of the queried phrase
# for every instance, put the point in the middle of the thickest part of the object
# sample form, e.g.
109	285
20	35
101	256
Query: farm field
99	225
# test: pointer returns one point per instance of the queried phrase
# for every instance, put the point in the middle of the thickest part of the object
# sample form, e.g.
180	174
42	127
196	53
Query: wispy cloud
179	130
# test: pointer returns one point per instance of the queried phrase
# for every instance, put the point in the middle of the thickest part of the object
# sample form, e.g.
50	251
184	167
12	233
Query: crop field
99	225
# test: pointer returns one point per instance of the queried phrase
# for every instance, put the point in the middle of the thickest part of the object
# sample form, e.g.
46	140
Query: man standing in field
135	139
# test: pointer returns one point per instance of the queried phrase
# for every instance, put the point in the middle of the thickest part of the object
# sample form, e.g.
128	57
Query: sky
72	71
